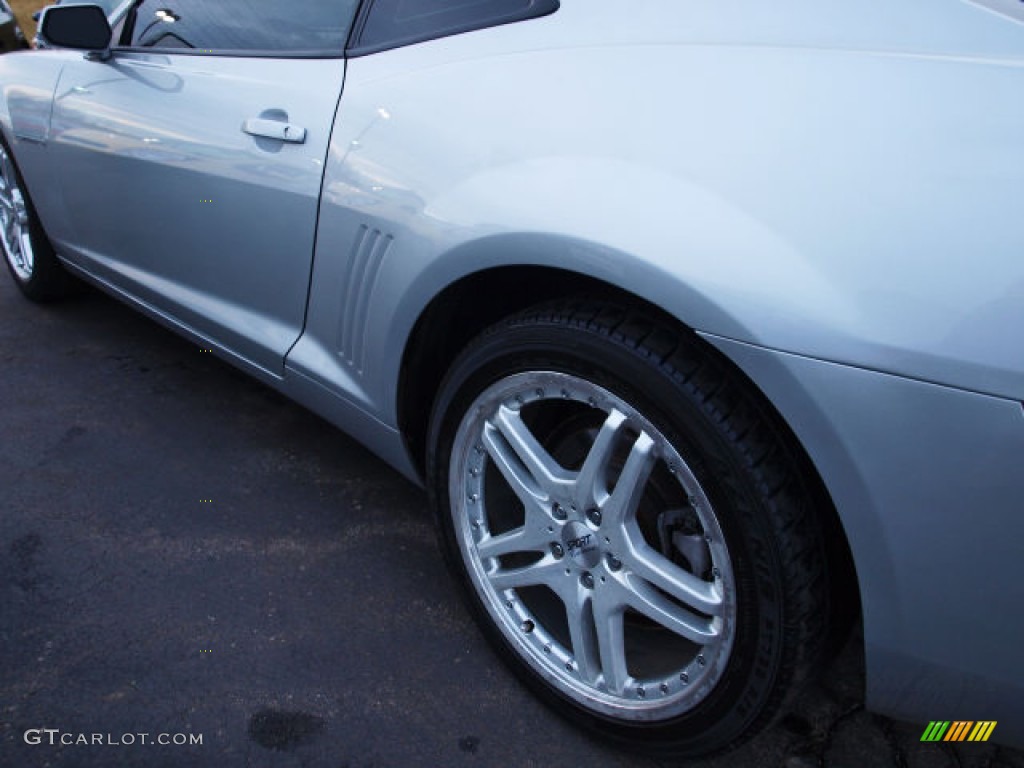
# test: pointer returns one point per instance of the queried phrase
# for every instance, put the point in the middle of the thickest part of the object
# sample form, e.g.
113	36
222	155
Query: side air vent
368	253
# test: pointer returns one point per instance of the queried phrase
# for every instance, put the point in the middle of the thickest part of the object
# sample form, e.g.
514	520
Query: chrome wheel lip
637	700
15	238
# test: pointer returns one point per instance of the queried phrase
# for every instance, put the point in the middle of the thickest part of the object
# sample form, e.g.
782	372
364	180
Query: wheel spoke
629	488
579	613
20	212
6	181
592	481
656	606
529	469
597	632
611	639
526	538
12	237
650	565
545	572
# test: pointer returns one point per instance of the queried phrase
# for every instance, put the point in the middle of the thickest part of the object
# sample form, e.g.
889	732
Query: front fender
28	81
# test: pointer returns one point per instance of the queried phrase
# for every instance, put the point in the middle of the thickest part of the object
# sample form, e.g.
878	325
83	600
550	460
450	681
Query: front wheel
28	253
630	527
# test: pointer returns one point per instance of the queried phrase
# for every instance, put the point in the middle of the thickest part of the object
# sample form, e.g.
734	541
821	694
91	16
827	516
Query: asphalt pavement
186	556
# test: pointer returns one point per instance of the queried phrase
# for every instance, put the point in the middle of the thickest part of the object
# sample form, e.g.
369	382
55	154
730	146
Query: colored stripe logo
958	730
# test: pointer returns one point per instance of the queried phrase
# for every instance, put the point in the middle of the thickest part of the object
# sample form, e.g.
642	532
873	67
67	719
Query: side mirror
83	27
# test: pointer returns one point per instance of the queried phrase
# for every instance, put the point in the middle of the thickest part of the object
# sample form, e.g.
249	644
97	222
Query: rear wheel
27	251
632	532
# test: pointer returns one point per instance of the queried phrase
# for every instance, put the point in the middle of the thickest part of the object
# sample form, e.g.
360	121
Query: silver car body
826	192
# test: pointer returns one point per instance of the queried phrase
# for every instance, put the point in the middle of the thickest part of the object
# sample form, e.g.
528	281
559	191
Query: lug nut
557	551
614	563
587	580
594	516
558	512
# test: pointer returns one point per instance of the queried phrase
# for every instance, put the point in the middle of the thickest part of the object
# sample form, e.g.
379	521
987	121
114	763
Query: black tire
745	485
33	264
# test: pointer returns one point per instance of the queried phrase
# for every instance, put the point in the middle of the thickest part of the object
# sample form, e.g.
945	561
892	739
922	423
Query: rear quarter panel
852	205
837	186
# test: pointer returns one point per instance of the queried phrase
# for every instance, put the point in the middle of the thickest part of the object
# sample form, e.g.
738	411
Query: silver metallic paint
185	165
828	192
928	483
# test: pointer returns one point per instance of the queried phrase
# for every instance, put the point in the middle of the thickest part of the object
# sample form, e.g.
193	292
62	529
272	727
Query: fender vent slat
369	250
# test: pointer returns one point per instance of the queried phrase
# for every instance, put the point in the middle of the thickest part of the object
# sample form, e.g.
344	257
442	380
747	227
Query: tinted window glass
107	5
390	23
308	26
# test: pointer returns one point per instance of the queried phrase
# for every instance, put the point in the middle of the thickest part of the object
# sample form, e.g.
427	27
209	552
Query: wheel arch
472	303
474	284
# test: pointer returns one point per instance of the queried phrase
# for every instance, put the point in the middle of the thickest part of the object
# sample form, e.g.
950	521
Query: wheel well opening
466	308
454	318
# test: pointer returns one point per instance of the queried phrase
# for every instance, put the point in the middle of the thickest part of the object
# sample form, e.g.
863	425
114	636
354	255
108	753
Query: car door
192	162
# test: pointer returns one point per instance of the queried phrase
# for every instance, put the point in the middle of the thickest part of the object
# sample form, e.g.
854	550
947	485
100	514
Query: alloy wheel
14	221
594	547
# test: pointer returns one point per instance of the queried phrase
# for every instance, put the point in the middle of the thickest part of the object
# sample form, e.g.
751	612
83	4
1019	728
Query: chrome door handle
274	129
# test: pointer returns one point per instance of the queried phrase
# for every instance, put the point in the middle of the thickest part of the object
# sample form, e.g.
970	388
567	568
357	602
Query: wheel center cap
581	545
